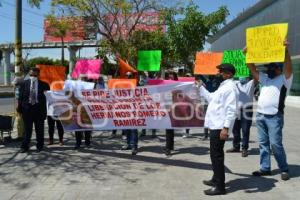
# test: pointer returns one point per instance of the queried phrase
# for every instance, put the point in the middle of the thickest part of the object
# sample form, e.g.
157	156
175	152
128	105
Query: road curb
7	94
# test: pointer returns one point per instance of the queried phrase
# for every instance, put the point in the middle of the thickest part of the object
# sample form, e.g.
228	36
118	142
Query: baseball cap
226	67
274	65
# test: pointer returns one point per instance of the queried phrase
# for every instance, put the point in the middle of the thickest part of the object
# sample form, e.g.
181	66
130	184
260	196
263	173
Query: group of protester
230	107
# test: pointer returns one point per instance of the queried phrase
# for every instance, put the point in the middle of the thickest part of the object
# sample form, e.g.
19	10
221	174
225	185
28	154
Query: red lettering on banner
130	122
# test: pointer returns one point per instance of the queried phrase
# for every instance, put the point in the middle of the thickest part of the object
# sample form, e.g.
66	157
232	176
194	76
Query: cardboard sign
265	43
124	68
206	63
238	60
53	75
121	83
149	60
88	67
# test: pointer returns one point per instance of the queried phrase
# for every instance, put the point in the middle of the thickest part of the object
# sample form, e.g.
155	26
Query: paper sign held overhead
265	43
124	68
206	63
238	60
53	75
88	67
149	60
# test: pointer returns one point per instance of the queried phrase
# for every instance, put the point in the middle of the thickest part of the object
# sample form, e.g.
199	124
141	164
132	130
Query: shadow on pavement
251	184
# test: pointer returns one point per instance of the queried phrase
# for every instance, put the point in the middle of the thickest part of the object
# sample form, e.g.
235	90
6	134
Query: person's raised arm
288	69
252	67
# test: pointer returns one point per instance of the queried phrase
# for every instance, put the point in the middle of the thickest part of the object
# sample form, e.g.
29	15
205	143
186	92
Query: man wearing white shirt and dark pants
244	118
220	116
270	110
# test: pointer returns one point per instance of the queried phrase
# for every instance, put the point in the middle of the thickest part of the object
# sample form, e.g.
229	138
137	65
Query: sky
33	22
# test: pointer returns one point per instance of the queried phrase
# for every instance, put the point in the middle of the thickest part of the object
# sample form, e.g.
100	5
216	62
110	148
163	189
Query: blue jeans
270	137
244	122
132	137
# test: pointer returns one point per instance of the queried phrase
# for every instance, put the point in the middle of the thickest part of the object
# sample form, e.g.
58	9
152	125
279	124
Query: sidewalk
293	101
105	172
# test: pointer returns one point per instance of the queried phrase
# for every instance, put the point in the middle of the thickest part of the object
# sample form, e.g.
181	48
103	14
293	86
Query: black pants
87	137
51	125
30	117
170	139
243	123
217	158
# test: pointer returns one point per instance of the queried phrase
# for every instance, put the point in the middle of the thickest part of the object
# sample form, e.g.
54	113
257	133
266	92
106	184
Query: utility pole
18	62
18	39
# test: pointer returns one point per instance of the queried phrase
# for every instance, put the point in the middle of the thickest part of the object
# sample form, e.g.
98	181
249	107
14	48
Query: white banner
169	106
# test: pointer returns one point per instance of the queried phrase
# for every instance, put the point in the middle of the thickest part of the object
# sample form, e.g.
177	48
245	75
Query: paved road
105	172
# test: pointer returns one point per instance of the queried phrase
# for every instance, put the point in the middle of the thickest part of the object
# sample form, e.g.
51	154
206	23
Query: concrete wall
280	11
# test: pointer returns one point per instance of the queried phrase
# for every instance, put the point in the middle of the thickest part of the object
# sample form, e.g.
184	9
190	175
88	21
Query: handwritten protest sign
149	60
53	75
265	43
162	107
124	68
206	63
238	60
89	67
121	83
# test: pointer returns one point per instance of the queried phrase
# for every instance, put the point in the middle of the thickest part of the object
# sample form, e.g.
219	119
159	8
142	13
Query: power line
23	18
25	22
25	9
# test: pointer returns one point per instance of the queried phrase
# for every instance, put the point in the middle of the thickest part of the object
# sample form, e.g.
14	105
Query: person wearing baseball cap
219	118
275	84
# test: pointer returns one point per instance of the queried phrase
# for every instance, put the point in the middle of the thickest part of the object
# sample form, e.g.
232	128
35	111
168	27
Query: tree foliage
187	34
59	27
30	63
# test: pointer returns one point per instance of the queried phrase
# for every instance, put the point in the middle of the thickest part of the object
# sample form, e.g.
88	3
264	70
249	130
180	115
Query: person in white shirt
275	84
220	116
244	119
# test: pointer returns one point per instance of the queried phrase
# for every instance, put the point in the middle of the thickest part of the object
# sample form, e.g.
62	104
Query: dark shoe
24	150
126	147
209	183
153	136
112	136
232	150
285	176
88	146
143	135
134	151
214	191
205	138
39	150
244	153
167	152
76	147
50	142
19	139
261	173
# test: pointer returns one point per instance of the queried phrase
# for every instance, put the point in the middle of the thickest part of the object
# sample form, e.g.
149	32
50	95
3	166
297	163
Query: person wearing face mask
32	106
244	118
219	118
275	84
